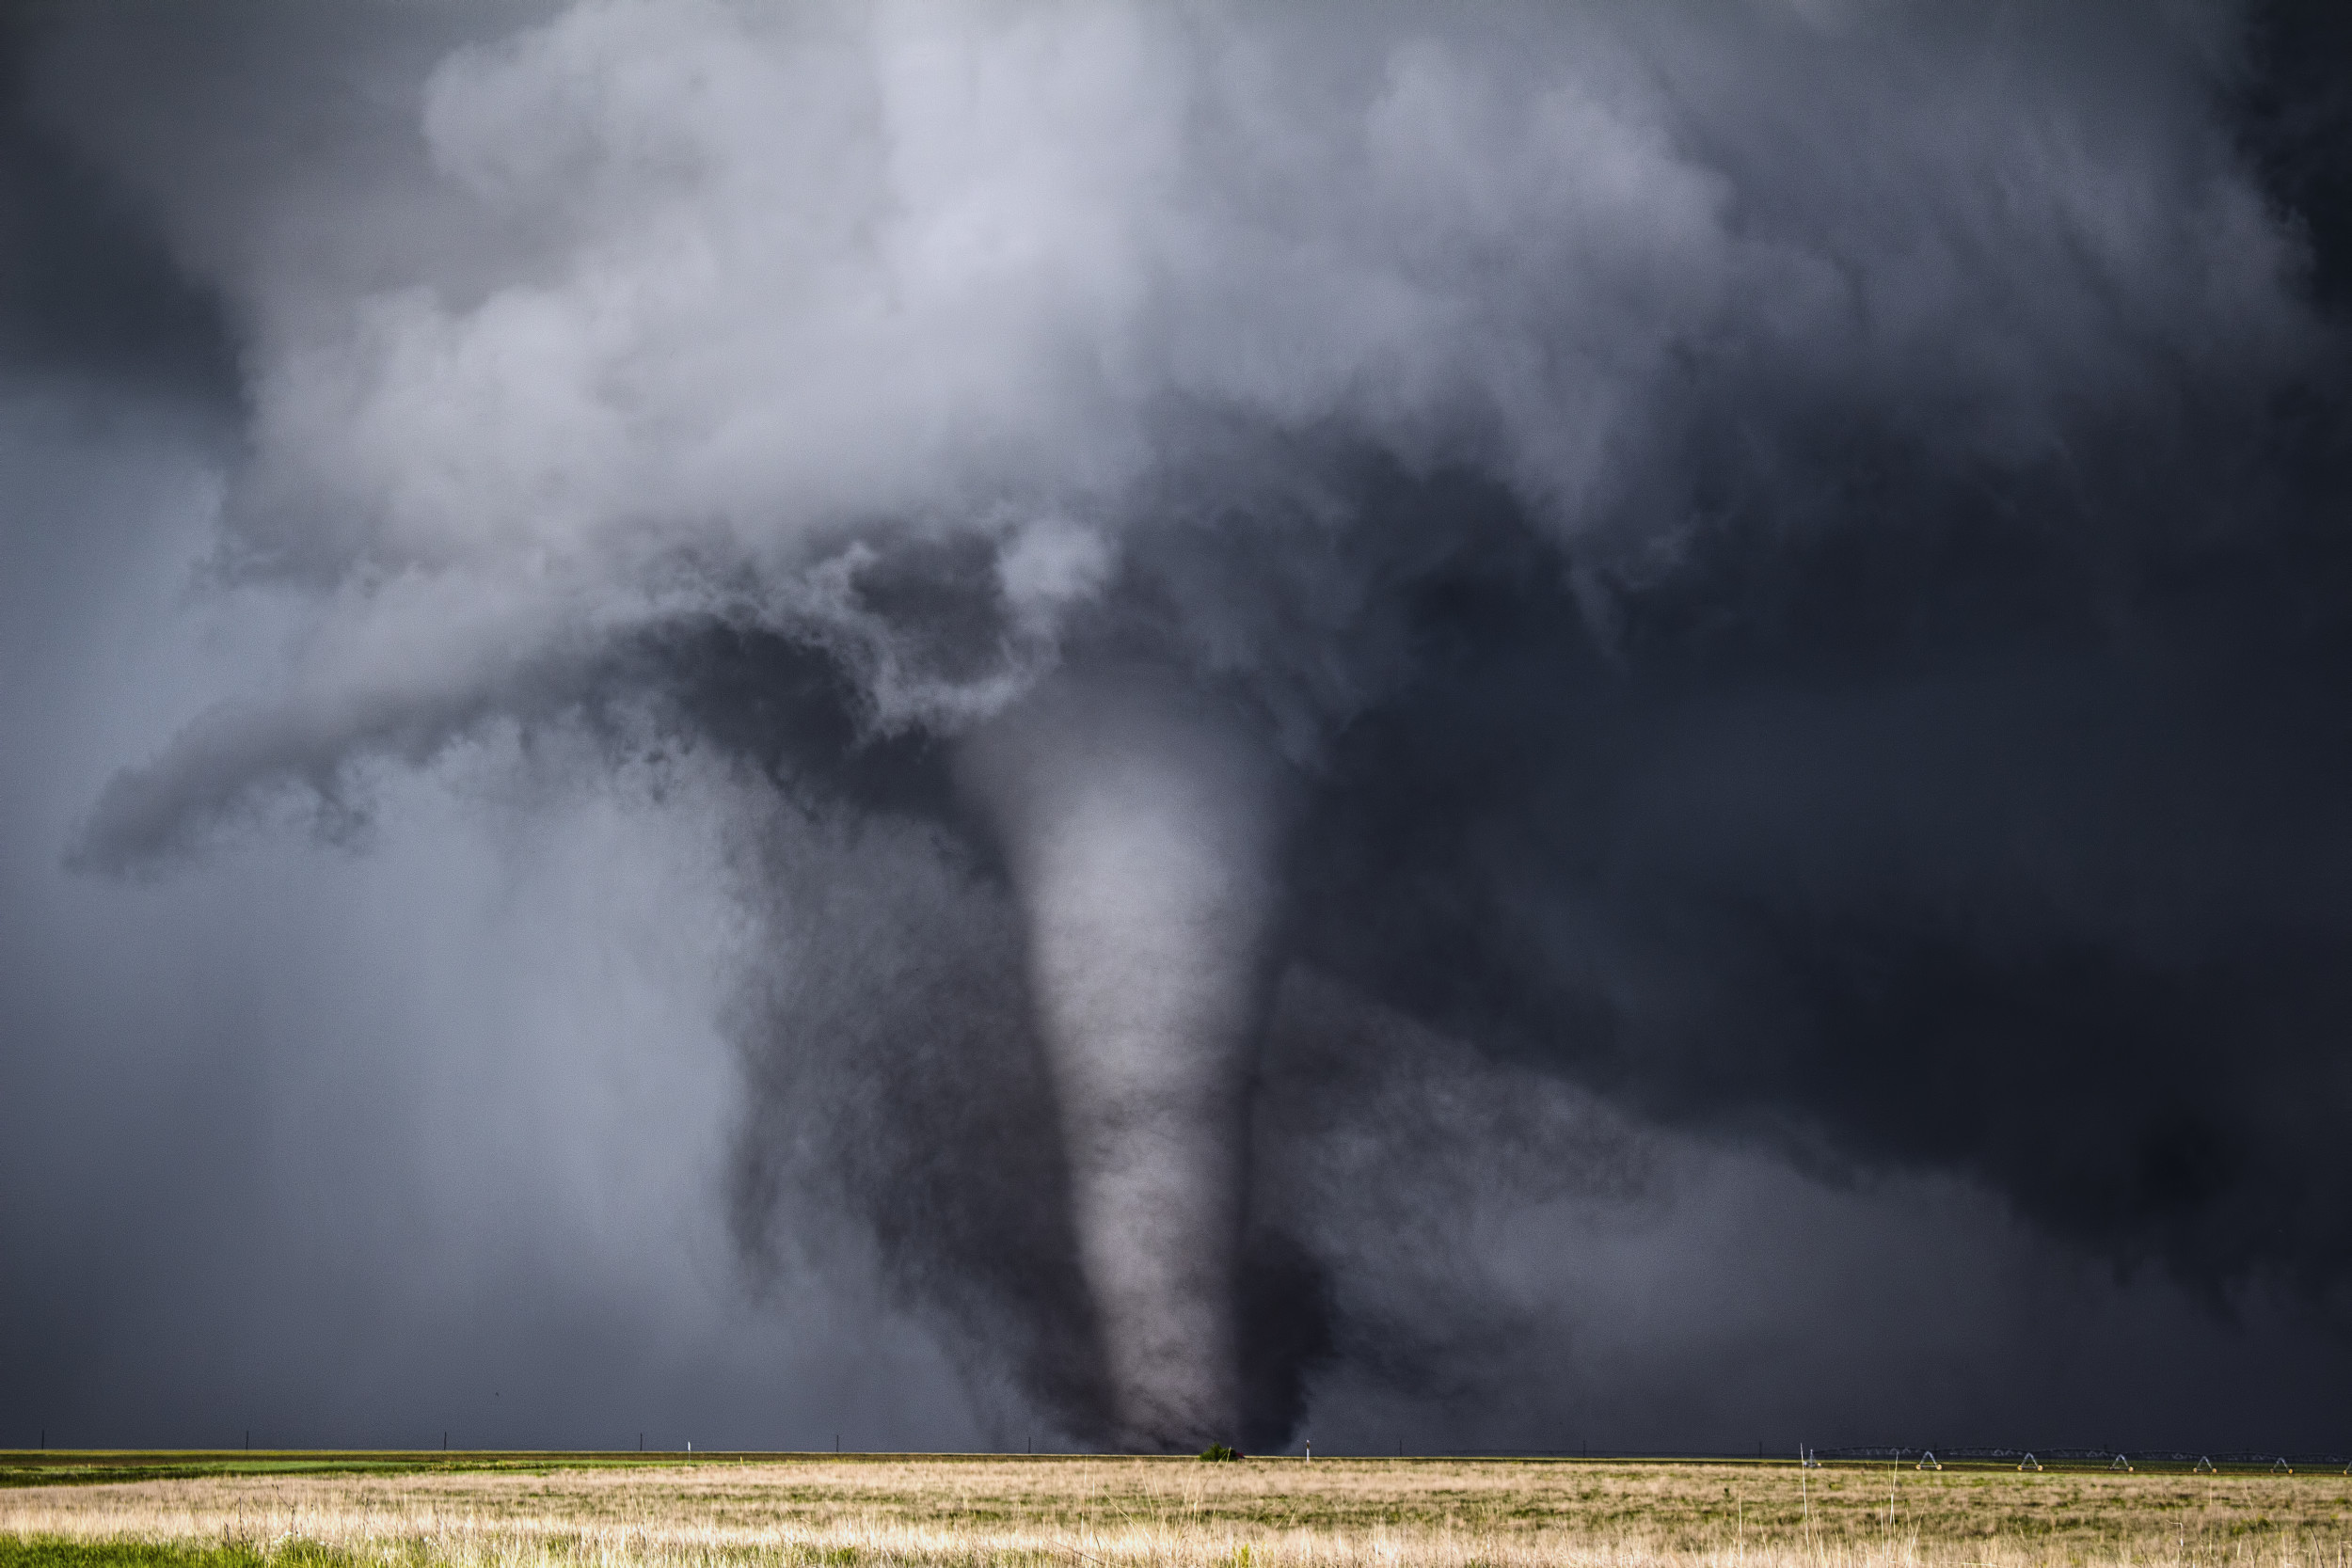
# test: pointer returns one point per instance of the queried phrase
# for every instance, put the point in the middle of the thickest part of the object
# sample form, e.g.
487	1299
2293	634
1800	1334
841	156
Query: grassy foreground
606	1512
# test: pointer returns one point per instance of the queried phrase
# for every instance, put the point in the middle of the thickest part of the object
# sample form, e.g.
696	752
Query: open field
715	1511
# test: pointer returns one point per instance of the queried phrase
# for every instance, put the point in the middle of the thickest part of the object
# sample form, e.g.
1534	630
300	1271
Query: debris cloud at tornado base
1740	564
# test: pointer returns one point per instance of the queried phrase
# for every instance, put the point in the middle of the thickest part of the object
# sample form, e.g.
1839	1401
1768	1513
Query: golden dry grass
1259	1512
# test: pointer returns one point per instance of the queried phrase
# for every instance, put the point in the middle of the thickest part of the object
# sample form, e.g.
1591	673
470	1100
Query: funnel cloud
1142	846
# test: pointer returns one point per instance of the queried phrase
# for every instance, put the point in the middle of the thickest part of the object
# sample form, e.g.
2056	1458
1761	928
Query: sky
1610	726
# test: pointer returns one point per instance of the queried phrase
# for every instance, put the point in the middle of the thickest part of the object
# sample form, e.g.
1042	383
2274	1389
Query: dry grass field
716	1512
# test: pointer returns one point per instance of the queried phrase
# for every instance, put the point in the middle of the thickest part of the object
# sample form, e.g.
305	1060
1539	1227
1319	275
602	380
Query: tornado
1141	831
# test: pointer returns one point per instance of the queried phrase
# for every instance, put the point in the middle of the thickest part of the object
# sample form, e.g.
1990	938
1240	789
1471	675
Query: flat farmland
715	1511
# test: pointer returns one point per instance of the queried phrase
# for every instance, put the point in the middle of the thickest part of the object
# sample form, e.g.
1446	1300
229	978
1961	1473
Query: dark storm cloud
86	284
2047	895
1663	590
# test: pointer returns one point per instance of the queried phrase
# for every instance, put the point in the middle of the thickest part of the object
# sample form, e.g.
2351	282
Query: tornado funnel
1142	834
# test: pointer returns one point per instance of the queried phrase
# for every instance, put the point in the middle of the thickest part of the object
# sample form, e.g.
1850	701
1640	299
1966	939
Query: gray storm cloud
641	313
1111	424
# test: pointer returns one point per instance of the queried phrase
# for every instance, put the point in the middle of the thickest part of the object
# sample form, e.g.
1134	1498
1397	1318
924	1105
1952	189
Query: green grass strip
15	1553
